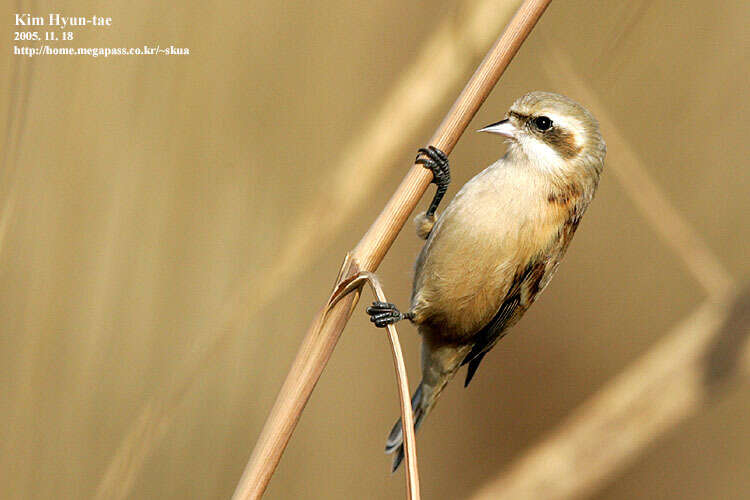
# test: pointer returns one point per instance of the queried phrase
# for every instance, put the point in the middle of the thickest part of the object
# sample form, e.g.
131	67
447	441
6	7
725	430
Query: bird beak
504	128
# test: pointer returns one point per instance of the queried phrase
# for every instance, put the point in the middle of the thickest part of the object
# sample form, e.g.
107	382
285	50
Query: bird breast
499	222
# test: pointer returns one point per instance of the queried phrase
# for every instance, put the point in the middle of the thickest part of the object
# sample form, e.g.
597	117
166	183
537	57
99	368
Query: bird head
552	133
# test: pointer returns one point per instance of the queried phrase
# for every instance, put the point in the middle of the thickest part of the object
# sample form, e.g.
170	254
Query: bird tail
422	402
395	441
439	365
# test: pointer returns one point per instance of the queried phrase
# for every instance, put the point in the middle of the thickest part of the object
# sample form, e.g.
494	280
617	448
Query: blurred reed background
170	225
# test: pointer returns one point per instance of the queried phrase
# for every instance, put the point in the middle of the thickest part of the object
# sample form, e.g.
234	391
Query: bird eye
542	123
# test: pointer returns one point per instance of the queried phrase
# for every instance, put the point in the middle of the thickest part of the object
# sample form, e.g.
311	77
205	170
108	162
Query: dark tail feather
395	442
473	365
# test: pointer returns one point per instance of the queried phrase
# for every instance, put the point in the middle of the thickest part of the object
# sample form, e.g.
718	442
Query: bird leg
437	161
385	313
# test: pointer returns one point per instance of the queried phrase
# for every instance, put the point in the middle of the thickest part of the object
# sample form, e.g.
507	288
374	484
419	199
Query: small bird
495	248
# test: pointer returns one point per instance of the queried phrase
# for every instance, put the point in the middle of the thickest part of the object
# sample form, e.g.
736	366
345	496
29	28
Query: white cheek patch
540	153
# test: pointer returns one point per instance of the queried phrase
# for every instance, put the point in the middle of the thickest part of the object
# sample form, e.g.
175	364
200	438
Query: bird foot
437	162
385	313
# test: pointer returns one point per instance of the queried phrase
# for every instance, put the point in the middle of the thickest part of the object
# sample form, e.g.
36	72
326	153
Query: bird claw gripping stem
437	162
385	313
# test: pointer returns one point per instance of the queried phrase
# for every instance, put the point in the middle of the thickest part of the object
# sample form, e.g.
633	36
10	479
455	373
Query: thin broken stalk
407	418
322	336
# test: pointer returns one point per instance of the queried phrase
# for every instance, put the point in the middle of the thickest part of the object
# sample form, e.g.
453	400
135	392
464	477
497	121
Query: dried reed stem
608	432
643	191
671	382
403	113
367	255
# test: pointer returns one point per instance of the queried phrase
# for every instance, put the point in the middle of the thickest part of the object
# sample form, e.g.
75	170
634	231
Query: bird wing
528	282
519	297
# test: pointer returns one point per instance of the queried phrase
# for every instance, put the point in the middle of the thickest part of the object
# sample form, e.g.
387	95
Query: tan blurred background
145	200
